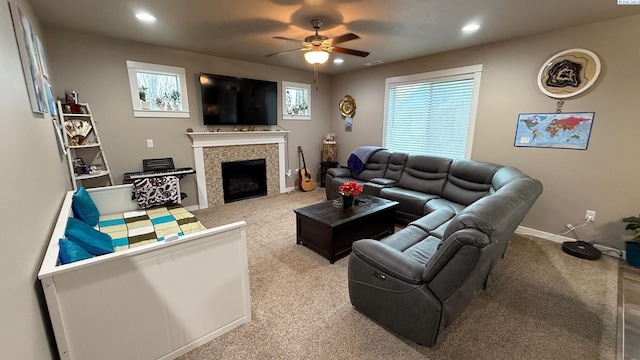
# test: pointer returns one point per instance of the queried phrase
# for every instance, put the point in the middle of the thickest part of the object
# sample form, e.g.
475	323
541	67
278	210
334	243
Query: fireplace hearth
244	179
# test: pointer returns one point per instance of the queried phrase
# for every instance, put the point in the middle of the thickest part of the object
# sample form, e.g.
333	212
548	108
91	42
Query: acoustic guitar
306	180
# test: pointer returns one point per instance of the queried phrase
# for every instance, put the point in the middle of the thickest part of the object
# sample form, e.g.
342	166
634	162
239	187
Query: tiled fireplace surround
210	149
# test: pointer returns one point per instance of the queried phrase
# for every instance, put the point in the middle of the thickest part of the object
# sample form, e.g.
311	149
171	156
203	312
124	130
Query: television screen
228	100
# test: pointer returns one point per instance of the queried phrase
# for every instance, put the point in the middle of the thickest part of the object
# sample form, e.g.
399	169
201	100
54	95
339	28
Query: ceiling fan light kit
316	57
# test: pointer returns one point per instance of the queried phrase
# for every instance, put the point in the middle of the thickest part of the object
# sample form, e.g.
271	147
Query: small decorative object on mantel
568	73
348	190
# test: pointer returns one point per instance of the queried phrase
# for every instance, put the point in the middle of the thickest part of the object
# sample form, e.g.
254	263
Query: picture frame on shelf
79	166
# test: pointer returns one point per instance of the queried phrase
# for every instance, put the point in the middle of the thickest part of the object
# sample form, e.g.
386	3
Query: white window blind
431	114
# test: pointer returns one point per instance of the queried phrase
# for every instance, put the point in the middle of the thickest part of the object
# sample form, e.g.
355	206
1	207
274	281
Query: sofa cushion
373	186
468	181
411	201
440	203
90	239
405	238
375	167
425	174
84	208
395	168
433	220
423	251
69	252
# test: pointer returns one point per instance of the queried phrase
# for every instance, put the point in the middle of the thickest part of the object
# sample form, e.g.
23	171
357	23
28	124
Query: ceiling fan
318	47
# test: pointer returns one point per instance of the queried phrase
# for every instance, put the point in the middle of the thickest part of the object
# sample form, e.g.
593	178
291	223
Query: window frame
307	88
133	67
466	72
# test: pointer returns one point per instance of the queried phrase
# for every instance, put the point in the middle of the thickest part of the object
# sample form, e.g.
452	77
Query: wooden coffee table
330	231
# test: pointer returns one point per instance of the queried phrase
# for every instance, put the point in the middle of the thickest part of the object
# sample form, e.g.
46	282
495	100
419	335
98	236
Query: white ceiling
391	30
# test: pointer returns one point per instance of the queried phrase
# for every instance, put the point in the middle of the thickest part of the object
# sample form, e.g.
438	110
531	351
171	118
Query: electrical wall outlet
149	143
590	215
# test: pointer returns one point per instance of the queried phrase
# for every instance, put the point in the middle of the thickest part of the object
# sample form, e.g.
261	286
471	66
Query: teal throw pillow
84	208
90	239
71	252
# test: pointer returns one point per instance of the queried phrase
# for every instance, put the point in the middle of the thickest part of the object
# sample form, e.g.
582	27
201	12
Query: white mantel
202	140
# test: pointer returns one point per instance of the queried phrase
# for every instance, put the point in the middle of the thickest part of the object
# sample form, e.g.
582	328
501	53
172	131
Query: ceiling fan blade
287	39
342	38
342	50
283	52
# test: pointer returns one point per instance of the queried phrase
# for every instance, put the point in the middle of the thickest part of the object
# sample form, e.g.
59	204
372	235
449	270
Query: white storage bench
156	301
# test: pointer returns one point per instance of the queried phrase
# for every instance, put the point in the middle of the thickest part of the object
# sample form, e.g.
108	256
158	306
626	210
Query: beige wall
35	175
603	178
33	182
96	68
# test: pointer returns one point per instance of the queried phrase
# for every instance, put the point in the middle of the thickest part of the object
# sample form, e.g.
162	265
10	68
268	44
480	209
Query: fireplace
244	179
210	149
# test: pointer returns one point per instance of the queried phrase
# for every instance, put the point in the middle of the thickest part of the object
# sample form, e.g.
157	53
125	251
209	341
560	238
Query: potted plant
142	93
632	247
175	99
348	190
159	103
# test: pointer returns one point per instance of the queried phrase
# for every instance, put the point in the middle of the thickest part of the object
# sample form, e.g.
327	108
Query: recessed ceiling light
145	17
471	28
377	62
338	61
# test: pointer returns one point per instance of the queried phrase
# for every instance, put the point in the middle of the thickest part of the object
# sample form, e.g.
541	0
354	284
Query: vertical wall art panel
33	60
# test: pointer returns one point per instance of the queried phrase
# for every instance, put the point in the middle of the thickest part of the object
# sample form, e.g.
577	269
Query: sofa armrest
389	260
384	182
339	172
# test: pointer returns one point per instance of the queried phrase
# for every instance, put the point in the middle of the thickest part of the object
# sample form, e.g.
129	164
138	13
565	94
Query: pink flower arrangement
350	188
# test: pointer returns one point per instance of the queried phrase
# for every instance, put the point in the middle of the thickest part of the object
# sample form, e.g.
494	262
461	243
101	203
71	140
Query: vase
347	201
632	249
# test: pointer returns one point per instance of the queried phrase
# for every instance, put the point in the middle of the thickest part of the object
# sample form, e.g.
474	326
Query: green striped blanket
136	228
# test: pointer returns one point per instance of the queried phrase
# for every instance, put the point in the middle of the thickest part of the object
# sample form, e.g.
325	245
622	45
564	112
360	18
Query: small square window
158	90
296	101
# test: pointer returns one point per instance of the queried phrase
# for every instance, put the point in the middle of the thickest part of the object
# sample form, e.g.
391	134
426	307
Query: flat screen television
228	100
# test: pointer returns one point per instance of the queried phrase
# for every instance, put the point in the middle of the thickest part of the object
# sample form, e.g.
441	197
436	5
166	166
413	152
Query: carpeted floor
540	303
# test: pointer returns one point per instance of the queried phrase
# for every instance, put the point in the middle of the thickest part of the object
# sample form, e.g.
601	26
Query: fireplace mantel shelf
201	140
230	138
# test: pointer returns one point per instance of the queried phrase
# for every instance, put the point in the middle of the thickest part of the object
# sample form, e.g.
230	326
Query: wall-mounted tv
228	100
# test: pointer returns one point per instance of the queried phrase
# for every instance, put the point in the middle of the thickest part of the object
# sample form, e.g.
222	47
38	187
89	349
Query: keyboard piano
156	168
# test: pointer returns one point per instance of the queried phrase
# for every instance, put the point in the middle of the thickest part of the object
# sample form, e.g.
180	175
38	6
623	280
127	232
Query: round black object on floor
581	249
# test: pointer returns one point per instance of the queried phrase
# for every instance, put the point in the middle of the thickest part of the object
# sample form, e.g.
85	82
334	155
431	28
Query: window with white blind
432	113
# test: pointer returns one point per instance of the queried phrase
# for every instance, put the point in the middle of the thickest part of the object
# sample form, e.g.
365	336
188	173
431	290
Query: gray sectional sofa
460	214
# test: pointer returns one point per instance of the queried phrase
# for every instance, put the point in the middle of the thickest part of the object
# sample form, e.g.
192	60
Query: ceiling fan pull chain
315	76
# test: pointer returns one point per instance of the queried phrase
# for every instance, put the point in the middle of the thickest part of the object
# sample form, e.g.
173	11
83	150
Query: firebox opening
244	179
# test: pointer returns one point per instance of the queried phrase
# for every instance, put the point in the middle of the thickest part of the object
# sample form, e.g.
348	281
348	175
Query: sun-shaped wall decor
348	107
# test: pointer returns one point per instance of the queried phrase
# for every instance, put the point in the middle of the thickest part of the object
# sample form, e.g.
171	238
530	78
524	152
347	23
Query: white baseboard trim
192	207
618	254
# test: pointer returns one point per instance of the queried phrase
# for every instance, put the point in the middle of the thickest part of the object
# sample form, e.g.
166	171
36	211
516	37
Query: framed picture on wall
32	58
554	130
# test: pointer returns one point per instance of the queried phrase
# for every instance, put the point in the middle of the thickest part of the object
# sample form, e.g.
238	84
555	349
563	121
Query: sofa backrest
396	165
499	213
468	181
375	167
424	173
504	176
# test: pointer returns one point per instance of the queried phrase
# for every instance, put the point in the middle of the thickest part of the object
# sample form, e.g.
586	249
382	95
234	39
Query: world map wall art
554	130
